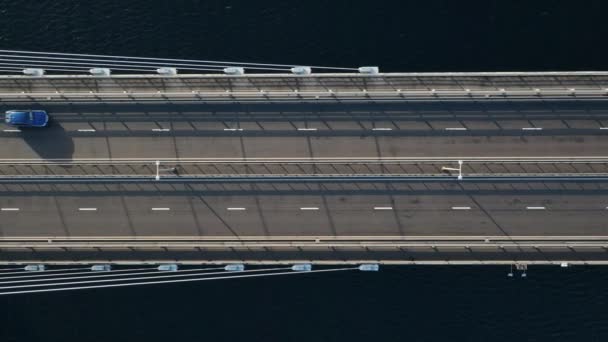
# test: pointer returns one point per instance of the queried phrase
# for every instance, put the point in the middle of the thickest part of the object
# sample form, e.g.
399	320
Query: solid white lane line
12	130
369	159
383	208
603	127
233	129
159	209
535	208
87	209
235	208
455	128
87	130
382	129
461	208
309	208
307	129
532	128
10	209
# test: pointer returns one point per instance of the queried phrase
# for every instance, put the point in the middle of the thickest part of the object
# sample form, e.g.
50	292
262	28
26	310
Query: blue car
27	118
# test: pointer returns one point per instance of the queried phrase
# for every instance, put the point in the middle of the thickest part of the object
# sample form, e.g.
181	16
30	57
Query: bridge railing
301	96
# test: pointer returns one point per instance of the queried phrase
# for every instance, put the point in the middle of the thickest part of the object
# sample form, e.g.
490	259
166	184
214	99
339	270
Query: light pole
459	169
157	170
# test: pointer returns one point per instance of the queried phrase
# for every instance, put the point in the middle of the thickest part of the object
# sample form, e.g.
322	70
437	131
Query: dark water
401	35
398	304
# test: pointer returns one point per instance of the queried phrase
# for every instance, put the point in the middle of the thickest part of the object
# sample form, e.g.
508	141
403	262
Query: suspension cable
166	59
68	61
172	281
20	70
197	272
41	274
74	67
107	274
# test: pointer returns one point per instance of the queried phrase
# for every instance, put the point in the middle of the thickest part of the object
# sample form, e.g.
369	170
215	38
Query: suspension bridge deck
329	168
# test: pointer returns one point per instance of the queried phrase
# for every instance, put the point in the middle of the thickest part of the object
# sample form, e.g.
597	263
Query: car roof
19	117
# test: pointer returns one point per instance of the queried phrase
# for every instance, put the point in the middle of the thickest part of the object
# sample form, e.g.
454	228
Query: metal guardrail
306	238
321	244
318	160
330	93
464	74
301	96
306	178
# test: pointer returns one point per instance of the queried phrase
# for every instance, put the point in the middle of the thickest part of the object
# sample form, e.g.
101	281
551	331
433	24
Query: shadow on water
51	142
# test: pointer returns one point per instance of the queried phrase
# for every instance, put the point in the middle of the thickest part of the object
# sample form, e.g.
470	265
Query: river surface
397	304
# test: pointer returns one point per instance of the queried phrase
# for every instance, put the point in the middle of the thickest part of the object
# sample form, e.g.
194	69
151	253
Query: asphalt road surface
305	209
433	129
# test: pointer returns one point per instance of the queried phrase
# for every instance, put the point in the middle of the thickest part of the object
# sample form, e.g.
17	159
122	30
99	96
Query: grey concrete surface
261	170
320	255
336	81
